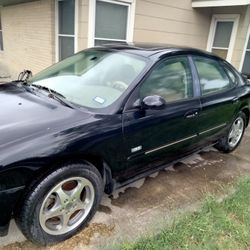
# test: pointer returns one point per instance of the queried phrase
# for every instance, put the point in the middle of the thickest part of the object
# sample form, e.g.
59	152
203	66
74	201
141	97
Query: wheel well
99	163
247	113
54	164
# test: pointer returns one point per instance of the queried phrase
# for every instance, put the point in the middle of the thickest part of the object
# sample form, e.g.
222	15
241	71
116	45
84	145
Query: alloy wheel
236	132
66	205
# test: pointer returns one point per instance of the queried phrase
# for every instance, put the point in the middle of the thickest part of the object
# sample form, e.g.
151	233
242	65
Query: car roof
156	50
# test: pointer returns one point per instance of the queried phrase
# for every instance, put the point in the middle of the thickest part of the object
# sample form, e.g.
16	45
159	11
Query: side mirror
153	102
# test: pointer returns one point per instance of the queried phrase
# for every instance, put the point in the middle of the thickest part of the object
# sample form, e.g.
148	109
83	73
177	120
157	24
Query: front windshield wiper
54	95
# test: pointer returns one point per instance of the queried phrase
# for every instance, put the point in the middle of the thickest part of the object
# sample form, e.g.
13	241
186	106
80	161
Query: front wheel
60	204
234	135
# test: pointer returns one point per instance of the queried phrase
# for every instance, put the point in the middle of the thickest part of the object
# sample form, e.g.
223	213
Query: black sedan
103	118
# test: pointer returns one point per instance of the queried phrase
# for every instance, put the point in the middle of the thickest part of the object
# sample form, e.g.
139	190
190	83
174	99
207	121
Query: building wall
28	36
83	24
172	22
242	29
29	29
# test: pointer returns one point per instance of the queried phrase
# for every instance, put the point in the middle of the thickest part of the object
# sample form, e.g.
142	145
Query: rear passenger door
218	98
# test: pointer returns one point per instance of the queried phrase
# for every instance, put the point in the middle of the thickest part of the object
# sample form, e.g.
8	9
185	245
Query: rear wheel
60	204
234	136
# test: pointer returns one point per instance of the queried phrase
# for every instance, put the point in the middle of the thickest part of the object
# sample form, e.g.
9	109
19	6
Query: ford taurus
103	118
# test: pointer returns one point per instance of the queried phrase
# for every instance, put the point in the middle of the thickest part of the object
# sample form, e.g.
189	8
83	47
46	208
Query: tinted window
212	76
172	80
231	75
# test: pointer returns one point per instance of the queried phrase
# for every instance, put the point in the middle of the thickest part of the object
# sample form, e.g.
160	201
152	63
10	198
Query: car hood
25	115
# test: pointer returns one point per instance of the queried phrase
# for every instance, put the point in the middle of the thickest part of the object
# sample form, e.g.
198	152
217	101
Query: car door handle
190	115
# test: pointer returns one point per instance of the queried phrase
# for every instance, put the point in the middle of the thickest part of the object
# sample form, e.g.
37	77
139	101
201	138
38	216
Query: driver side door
157	136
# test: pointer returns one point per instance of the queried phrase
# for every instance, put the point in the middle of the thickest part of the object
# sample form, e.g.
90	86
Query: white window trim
224	18
130	21
57	35
216	3
245	50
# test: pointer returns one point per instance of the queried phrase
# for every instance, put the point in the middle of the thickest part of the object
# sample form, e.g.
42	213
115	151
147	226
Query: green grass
217	225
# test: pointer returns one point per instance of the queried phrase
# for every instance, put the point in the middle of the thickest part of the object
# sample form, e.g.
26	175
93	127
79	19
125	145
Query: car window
212	76
231	75
171	79
92	78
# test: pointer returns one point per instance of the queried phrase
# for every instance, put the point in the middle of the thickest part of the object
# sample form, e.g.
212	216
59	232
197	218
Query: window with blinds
246	63
66	28
222	38
111	22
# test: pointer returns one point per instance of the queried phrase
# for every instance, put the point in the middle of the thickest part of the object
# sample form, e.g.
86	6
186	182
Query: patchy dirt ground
150	203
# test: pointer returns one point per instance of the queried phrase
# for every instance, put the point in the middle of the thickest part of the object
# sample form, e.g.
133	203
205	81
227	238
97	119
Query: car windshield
92	78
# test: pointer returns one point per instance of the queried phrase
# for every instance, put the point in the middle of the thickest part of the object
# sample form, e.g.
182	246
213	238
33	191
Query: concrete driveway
148	204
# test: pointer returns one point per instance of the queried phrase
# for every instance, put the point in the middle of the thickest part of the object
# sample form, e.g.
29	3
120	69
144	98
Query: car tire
233	138
60	204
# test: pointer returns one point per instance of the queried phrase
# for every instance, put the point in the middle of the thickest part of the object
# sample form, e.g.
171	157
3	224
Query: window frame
130	21
58	35
245	50
221	64
223	18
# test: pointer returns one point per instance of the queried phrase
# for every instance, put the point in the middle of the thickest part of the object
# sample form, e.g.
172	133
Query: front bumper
8	200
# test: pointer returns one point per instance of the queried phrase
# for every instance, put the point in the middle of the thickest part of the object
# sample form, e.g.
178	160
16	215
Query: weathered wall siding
28	33
83	24
171	22
29	29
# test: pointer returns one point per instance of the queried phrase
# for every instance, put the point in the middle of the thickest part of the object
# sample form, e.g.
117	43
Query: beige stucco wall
241	36
171	22
28	33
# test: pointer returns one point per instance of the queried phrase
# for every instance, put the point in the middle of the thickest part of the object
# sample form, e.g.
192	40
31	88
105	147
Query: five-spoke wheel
236	132
60	203
66	205
232	139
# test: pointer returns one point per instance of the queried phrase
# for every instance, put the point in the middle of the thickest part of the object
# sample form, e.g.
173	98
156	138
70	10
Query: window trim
223	18
245	50
130	21
58	35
